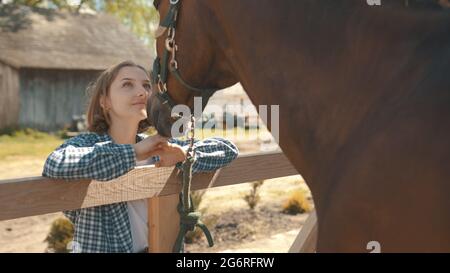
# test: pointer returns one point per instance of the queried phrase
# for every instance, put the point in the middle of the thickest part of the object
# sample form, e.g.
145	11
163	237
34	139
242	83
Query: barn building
48	58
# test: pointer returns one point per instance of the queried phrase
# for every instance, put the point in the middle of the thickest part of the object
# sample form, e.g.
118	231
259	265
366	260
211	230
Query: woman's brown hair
98	120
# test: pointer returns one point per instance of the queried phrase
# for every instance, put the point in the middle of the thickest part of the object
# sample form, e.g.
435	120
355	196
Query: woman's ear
104	103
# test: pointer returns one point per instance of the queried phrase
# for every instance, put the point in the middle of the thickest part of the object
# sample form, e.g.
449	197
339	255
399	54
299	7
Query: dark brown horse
364	97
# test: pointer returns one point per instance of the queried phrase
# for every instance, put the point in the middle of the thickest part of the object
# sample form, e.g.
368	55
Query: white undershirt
138	215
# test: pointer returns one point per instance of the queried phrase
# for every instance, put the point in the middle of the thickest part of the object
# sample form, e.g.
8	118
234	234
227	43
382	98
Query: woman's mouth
140	104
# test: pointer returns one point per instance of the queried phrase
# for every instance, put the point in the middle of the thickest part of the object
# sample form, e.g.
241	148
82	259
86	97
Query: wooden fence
39	195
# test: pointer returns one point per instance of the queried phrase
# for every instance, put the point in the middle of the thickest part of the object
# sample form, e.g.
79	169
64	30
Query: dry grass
23	152
297	203
29	143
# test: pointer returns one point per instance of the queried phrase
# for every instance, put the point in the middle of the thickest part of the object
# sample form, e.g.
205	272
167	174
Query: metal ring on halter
174	2
170	44
164	86
173	64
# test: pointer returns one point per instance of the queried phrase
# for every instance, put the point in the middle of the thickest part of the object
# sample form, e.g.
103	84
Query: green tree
139	15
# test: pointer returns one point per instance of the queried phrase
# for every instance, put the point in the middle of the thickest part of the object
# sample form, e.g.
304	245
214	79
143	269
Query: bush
297	203
252	198
22	133
9	130
61	233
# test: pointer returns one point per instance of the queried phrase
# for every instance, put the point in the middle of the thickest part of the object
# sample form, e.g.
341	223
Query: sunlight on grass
27	143
23	152
35	144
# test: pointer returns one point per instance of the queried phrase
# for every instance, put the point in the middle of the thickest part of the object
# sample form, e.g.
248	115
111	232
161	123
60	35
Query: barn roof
42	38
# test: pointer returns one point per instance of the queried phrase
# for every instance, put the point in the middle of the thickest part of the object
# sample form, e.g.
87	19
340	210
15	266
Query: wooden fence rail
39	195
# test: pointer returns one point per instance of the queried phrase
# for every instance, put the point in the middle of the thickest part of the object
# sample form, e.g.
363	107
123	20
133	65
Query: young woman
116	118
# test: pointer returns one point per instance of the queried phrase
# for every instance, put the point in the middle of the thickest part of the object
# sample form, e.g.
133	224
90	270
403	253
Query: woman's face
127	98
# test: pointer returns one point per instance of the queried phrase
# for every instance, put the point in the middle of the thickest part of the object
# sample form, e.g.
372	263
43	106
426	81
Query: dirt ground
242	230
236	228
26	234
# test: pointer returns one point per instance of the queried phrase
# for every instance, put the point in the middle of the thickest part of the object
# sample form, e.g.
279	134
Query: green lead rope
188	222
189	218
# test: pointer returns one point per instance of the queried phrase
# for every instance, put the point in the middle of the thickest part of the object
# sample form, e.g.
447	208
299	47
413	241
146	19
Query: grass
31	143
24	151
27	143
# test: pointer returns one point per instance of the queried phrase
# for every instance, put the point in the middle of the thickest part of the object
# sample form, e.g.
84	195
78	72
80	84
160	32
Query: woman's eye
147	86
127	84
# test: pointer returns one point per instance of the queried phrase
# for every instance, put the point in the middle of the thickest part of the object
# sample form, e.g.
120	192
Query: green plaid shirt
107	228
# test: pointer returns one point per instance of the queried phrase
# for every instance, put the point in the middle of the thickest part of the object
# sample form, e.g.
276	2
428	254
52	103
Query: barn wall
9	96
49	98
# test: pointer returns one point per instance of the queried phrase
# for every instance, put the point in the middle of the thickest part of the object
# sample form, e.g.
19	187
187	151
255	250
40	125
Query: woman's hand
146	148
169	154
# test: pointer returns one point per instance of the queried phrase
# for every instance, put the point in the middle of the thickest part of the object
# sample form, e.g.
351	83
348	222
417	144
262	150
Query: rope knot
190	220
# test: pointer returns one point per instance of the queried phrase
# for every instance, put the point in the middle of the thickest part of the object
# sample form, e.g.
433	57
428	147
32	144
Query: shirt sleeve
211	154
84	157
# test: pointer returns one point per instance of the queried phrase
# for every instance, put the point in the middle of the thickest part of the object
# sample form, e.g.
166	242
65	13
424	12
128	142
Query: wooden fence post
307	238
163	223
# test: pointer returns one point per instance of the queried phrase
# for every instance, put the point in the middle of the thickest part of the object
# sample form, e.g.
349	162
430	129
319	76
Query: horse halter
161	68
189	218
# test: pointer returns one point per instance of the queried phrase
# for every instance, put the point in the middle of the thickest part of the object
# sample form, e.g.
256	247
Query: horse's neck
323	59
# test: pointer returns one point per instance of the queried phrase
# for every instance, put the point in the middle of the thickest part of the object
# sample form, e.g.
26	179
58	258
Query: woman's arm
88	156
211	154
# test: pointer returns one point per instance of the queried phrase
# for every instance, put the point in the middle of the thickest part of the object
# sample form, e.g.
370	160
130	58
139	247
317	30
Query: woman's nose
142	92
